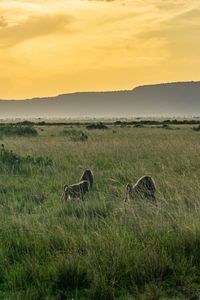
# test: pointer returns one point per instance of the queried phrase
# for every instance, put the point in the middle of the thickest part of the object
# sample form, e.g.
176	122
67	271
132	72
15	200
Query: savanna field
100	248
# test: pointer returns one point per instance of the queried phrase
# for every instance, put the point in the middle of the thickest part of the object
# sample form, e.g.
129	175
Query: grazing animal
144	187
77	190
88	176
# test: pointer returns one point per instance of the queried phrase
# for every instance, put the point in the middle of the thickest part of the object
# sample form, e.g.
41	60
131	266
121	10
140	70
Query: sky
50	47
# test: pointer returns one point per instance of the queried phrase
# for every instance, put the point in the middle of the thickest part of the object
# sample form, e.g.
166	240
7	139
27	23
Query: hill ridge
175	98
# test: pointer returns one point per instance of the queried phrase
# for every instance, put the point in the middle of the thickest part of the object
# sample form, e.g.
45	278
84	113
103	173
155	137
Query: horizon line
99	91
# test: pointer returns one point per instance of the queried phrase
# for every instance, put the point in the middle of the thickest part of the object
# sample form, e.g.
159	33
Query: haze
52	47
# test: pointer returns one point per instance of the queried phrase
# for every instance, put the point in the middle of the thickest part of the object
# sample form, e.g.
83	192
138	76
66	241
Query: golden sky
49	47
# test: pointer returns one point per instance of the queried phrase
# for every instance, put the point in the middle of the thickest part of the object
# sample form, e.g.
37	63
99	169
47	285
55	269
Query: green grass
100	248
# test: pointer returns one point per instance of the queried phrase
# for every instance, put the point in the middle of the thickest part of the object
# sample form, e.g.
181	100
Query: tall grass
100	248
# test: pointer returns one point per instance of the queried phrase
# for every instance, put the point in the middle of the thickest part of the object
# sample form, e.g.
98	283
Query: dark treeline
157	122
99	124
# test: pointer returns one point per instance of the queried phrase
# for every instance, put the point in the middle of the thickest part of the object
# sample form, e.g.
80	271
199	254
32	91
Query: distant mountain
173	99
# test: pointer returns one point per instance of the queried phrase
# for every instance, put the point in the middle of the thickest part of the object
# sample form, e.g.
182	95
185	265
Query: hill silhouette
179	98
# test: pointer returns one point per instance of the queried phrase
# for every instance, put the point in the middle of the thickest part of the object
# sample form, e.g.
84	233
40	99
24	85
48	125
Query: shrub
75	135
17	130
25	122
196	128
118	122
166	126
42	123
99	125
9	158
139	125
13	161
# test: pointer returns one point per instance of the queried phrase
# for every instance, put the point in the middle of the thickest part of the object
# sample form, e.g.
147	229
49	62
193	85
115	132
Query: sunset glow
49	47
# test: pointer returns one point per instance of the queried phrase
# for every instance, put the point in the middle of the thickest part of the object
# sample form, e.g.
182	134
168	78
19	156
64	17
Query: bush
139	125
17	130
13	161
99	125
42	123
27	123
75	135
166	126
196	128
9	158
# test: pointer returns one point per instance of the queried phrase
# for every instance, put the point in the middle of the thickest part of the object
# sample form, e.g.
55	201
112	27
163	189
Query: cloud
182	25
33	27
3	22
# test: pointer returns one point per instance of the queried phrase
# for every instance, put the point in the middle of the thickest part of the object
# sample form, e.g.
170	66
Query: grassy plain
100	248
